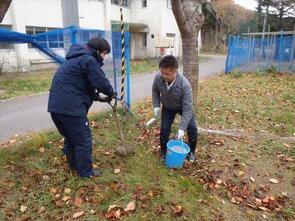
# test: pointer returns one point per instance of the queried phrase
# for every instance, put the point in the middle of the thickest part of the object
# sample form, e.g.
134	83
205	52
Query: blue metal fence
252	53
56	43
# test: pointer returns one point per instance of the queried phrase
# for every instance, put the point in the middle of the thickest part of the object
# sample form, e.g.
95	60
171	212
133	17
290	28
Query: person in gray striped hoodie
174	92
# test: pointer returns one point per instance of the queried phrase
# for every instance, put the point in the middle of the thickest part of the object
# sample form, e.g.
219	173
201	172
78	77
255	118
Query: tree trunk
259	16
191	61
4	5
281	14
216	35
189	17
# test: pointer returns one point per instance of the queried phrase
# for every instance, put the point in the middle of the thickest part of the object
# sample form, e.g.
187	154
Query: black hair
168	61
99	44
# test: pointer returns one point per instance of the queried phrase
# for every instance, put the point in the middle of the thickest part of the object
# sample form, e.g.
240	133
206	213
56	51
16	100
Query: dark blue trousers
168	117
77	142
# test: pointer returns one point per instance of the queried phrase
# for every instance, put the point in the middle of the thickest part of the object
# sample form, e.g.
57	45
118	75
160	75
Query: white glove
180	134
157	111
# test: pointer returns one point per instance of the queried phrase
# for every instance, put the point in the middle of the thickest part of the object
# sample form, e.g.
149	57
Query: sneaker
96	173
191	157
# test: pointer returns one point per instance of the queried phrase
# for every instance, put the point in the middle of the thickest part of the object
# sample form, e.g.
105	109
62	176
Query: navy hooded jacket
73	86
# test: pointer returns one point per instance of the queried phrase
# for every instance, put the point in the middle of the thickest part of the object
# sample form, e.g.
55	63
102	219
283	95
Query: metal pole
263	31
293	46
227	68
280	50
123	56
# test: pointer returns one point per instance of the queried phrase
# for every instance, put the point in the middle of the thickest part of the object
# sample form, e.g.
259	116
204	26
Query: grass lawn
15	84
234	178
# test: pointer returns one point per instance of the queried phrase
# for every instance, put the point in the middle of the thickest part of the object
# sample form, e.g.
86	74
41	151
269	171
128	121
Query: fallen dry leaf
130	206
67	190
41	209
177	210
116	171
24	218
286	145
53	190
160	209
219	181
23	208
284	194
111	207
263	208
41	150
66	198
107	153
252	179
272	180
78	214
46	177
118	213
241	173
113	213
78	202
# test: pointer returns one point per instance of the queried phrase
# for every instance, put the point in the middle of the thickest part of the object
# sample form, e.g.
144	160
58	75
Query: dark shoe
96	173
163	155
191	157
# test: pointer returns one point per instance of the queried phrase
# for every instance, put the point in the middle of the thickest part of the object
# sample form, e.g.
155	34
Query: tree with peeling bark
189	17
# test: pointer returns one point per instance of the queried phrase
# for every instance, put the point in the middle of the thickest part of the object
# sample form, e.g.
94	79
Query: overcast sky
250	4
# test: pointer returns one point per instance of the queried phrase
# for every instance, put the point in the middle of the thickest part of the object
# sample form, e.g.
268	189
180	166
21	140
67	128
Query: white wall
115	13
91	14
160	20
9	58
169	25
45	13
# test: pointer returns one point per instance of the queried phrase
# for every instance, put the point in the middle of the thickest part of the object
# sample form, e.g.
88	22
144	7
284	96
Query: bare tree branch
177	8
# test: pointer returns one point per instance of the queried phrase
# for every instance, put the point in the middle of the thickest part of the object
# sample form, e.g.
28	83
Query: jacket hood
78	50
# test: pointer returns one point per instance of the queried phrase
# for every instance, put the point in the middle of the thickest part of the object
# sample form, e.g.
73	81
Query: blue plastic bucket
176	153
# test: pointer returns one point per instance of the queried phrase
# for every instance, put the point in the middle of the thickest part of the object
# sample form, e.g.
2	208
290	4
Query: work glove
157	111
102	98
180	134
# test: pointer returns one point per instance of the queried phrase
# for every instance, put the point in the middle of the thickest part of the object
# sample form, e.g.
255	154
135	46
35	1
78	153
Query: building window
125	3
170	35
51	40
169	4
144	39
4	45
144	3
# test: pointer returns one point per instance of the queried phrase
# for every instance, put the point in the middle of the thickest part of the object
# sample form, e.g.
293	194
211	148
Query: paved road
24	115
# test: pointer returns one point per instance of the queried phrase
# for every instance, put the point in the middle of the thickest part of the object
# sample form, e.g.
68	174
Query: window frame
144	40
34	30
125	3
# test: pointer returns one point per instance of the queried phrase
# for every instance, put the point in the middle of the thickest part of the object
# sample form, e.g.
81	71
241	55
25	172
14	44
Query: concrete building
152	25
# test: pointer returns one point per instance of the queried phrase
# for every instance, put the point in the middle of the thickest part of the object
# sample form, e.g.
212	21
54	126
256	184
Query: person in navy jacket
76	84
